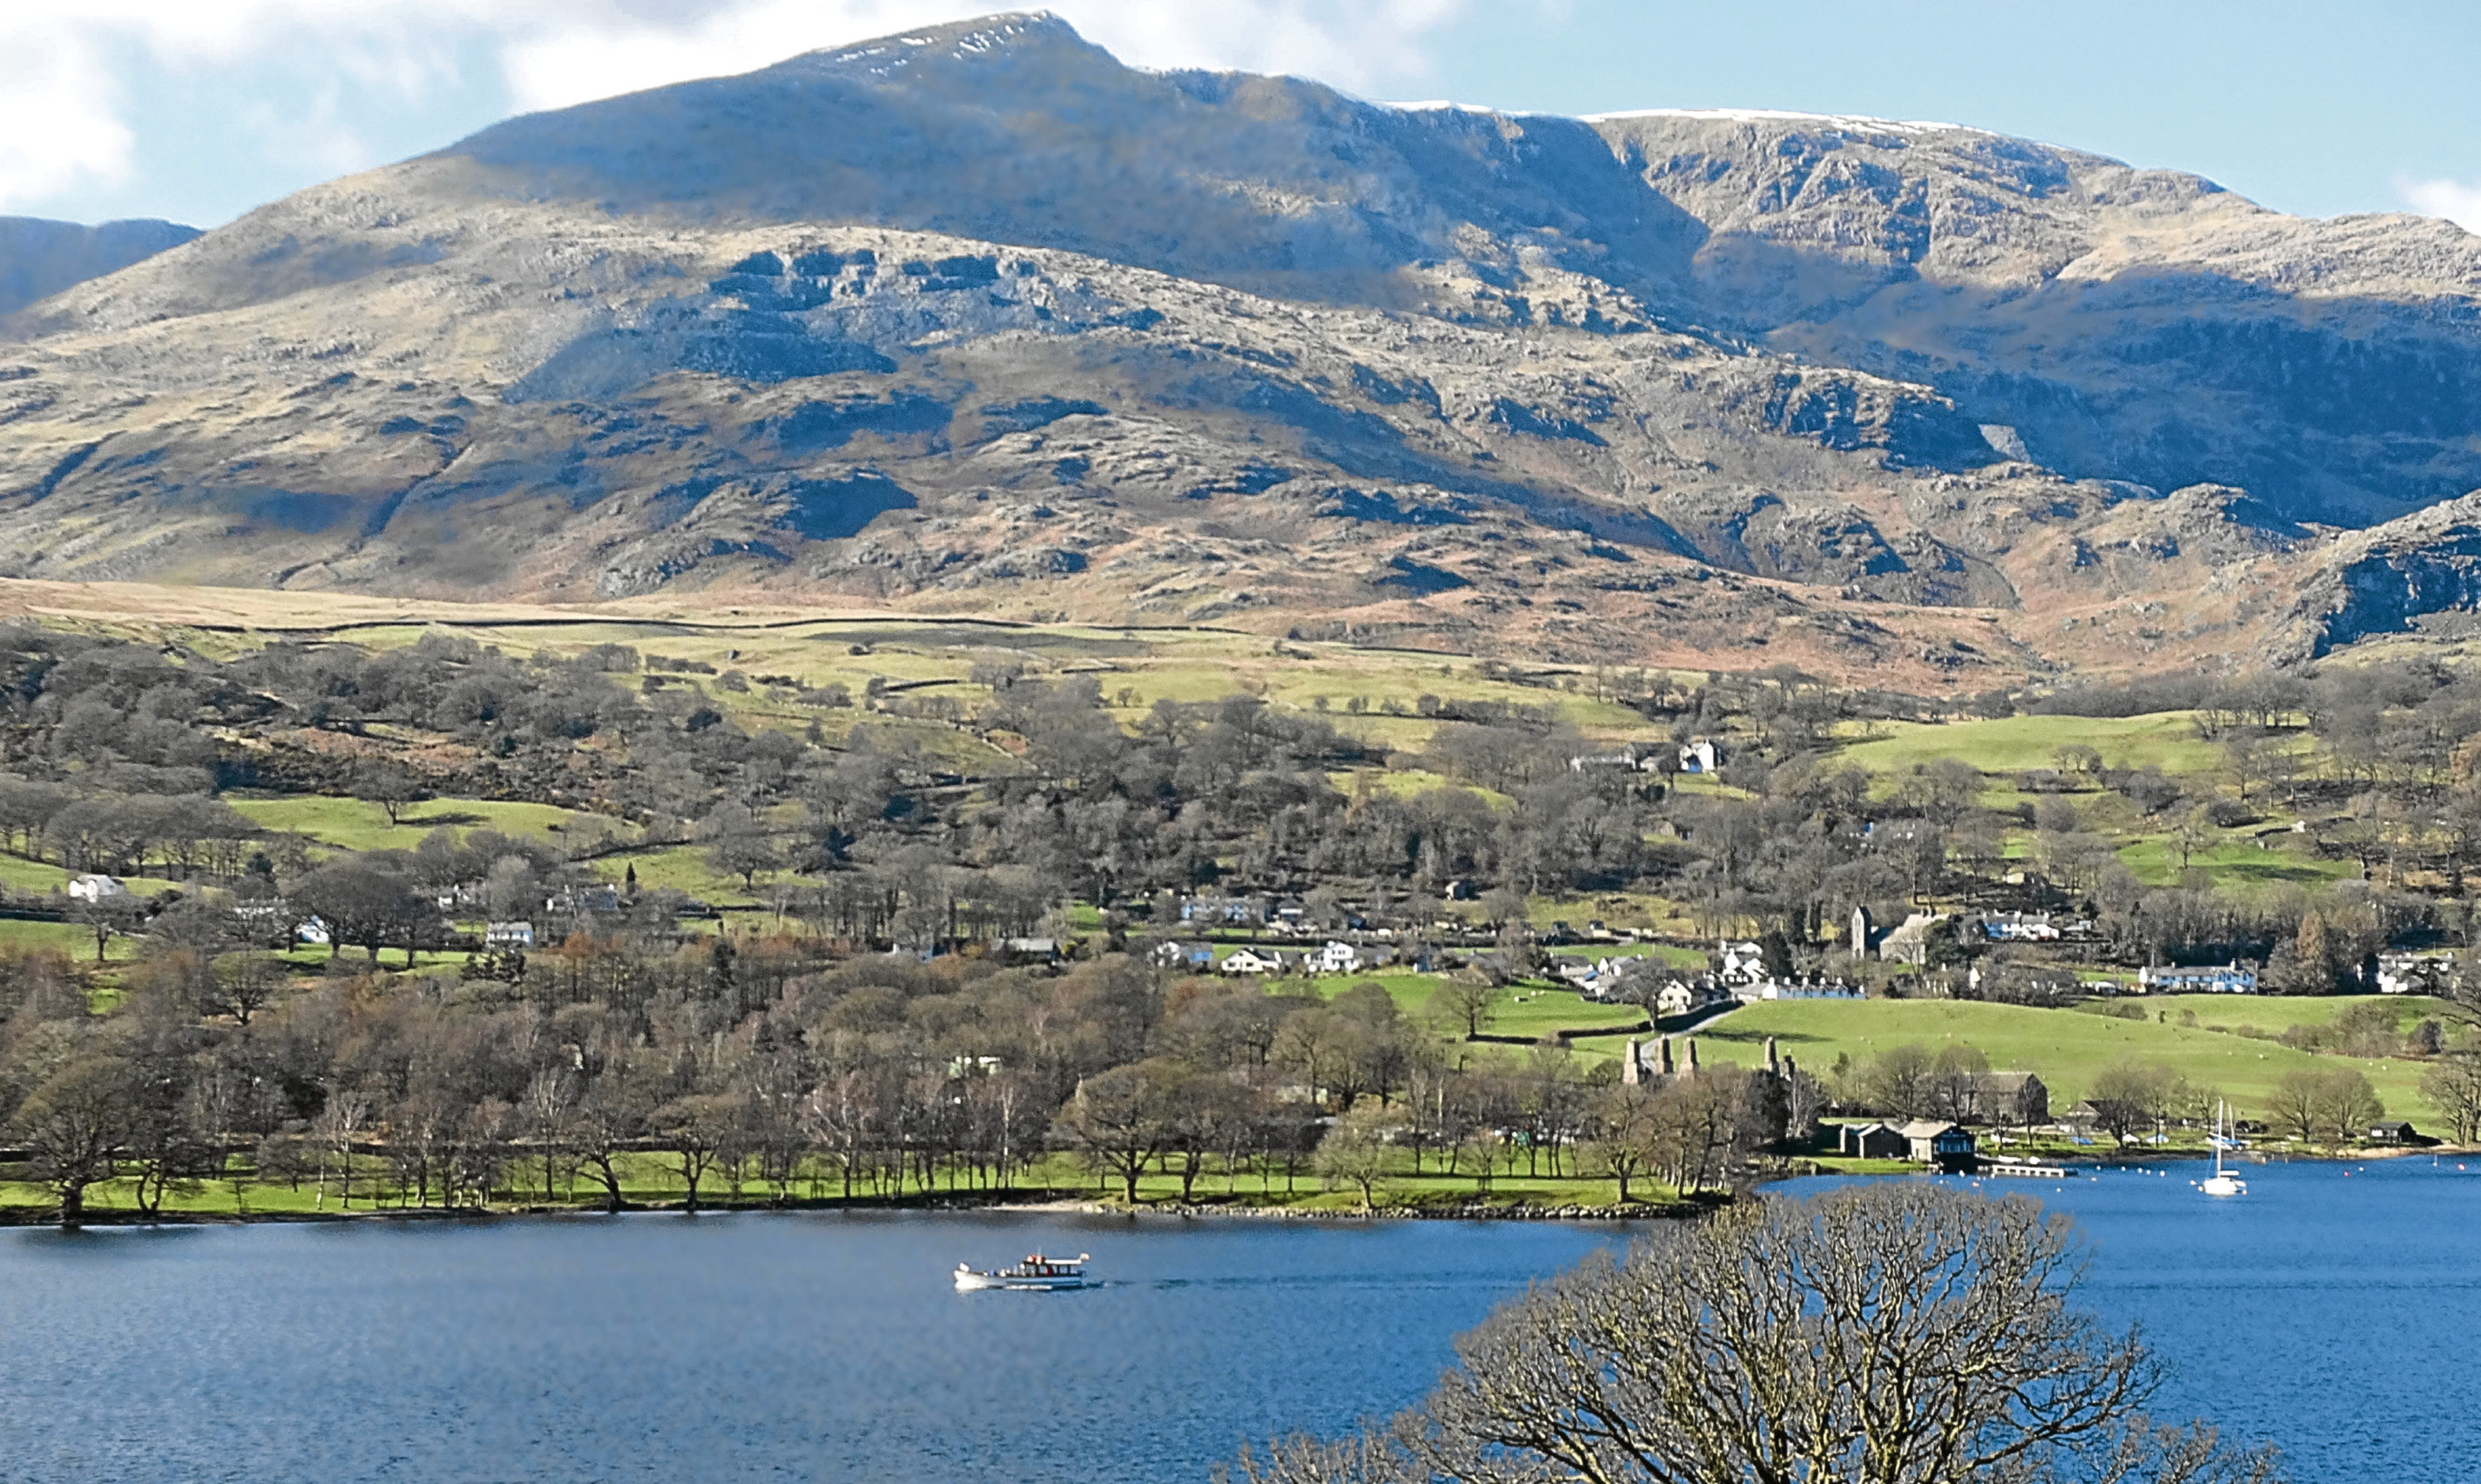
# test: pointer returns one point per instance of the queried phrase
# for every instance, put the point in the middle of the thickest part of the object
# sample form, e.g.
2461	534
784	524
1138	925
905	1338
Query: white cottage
91	887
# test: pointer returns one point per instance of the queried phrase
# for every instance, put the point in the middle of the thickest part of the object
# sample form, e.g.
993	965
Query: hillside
977	320
40	258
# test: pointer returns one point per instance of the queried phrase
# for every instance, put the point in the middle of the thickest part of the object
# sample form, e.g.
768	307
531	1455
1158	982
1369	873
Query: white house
1625	760
1184	955
2020	927
1910	942
1251	961
1337	957
1700	755
1576	969
1682	996
2408	974
518	934
1744	963
95	888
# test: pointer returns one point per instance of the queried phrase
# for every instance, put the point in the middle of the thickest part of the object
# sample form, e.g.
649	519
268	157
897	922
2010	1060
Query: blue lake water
2320	1311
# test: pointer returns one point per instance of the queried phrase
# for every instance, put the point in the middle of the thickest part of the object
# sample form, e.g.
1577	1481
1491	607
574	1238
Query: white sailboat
2221	1182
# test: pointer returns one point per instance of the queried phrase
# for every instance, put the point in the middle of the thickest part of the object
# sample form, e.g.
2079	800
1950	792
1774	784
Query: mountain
977	319
40	258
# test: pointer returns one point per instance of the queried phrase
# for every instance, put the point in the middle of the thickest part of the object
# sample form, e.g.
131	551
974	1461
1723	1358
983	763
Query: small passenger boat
1036	1272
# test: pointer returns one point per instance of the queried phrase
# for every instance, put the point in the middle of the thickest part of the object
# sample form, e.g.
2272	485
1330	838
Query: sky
199	110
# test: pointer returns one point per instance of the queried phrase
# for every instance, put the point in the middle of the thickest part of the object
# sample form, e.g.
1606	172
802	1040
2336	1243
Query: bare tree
340	1122
1620	1130
1466	1001
1887	1334
106	915
2296	1103
75	1126
2452	1084
1355	1152
1119	1121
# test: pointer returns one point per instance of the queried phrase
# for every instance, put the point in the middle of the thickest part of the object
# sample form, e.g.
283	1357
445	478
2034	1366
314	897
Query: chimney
1692	1055
1630	1070
1774	1063
1662	1056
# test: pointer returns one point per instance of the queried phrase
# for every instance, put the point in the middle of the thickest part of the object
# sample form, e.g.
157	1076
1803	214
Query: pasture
2067	1049
2008	745
350	824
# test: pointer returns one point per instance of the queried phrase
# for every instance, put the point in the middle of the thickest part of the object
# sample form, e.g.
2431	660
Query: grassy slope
2165	740
20	874
1530	1010
2067	1048
350	824
74	939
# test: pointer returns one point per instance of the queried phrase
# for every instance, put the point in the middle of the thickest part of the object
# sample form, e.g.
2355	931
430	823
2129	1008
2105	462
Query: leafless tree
340	1122
2452	1084
1881	1334
75	1126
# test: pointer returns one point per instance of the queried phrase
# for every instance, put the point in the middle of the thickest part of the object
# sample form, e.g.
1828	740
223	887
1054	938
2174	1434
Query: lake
2318	1311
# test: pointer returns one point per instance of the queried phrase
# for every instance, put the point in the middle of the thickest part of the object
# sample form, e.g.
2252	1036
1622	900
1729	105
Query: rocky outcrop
2395	579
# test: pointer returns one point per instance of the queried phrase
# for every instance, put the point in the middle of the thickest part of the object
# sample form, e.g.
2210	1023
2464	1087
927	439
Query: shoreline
1050	1202
28	1219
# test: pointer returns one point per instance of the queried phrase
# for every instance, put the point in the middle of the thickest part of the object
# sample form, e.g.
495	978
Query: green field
350	824
679	868
1530	1010
2067	1048
20	874
74	939
2236	862
2164	740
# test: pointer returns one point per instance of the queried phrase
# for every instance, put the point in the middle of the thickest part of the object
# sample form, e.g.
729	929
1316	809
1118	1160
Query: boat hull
970	1283
2222	1185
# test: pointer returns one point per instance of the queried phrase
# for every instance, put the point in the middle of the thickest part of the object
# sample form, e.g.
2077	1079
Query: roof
1928	1128
2009	1080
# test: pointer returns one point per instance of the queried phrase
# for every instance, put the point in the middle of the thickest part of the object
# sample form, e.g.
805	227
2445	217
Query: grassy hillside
2067	1048
2164	740
350	824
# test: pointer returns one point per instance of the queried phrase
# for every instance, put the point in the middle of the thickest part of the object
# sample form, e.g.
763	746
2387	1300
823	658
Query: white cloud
58	125
65	69
2452	200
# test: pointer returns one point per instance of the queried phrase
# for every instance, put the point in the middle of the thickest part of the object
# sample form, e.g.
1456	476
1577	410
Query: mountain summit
977	318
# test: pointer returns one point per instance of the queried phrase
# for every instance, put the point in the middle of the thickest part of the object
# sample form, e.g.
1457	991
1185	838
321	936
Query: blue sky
198	110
